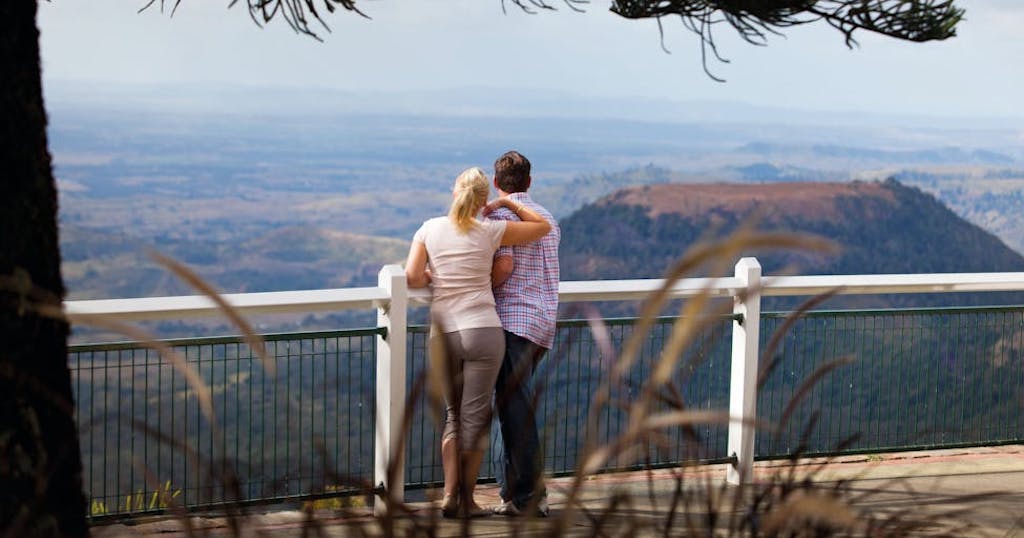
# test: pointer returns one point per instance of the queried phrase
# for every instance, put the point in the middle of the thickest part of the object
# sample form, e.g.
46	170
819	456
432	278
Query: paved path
968	492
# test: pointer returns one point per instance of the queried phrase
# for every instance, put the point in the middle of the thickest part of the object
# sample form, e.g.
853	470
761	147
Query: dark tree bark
40	465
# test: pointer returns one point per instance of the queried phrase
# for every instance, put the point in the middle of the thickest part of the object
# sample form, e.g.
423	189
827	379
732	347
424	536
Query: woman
455	254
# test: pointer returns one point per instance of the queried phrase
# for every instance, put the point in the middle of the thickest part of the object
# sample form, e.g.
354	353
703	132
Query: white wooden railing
391	298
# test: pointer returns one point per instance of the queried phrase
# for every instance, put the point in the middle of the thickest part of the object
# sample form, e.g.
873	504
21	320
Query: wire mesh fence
147	444
849	381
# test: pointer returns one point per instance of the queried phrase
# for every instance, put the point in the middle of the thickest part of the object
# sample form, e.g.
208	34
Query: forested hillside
880	227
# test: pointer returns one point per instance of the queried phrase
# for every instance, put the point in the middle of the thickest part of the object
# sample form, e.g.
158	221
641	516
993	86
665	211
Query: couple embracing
495	300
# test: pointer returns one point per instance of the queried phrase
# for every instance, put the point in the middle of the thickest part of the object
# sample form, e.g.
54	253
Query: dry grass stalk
248	333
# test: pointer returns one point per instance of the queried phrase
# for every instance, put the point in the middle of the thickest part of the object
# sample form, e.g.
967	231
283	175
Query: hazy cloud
470	43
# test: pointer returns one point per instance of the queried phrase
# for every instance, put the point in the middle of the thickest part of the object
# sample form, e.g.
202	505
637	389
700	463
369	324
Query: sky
449	45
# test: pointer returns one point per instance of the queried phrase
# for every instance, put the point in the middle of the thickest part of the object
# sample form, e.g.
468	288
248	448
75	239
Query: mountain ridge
880	227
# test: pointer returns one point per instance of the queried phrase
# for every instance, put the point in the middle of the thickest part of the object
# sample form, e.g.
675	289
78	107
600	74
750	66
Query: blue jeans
519	464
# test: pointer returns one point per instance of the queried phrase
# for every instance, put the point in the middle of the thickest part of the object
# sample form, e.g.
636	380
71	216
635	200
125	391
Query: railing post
391	364
743	384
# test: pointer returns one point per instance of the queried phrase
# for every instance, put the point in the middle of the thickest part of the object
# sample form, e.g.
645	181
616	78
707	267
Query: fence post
743	383
391	364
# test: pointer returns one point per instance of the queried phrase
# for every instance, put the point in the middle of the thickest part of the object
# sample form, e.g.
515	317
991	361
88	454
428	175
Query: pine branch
756	20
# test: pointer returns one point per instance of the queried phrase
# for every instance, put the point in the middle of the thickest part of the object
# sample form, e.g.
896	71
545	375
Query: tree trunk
40	465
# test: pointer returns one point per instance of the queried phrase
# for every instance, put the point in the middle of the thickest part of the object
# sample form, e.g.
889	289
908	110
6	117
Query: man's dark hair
512	172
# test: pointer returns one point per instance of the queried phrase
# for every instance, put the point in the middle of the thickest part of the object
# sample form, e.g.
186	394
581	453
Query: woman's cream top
460	267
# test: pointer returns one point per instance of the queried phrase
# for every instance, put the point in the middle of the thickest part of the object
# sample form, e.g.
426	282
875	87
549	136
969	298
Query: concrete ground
961	492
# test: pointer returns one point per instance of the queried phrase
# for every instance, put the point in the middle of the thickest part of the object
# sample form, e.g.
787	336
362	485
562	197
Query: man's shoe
542	507
507	508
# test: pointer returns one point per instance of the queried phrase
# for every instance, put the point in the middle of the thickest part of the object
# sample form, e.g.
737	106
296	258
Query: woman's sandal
450	508
450	505
476	510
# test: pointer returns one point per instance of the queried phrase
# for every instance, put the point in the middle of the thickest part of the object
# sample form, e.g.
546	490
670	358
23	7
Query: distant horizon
526	103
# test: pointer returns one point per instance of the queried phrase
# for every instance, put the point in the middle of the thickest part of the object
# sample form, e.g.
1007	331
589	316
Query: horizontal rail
627	290
274	302
638	290
894	283
570	291
222	340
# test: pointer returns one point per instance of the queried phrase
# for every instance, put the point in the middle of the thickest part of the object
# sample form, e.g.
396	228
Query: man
525	280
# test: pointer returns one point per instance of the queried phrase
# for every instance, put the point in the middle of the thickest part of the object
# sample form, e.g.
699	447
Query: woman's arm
531	227
416	271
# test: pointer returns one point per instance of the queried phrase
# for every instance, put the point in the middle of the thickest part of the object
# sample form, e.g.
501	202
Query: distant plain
260	199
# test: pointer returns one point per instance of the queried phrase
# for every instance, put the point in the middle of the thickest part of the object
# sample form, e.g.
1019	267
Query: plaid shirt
528	301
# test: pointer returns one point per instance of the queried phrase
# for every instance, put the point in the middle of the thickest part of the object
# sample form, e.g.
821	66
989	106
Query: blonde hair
471	190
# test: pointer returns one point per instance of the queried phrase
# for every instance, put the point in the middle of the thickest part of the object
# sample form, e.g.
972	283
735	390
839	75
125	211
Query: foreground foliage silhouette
786	502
